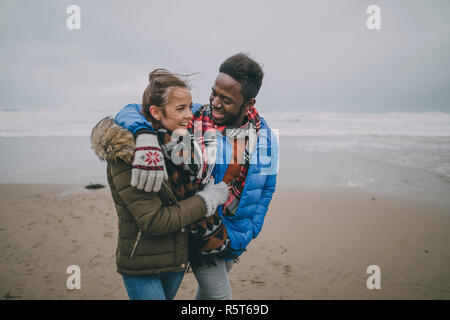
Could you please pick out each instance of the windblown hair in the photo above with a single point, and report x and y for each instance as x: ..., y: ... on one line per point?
x: 246, y: 71
x: 161, y: 84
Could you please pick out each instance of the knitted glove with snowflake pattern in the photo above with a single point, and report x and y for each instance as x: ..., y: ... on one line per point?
x: 148, y: 168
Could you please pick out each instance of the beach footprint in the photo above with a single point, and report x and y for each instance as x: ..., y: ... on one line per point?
x: 257, y: 282
x: 108, y: 235
x: 287, y: 269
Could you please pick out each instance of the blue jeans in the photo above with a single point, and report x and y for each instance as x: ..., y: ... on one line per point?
x: 162, y: 286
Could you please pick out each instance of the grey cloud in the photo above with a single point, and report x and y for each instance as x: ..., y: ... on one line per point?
x: 317, y: 55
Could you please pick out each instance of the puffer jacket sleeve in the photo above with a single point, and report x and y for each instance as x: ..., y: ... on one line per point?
x: 147, y: 209
x: 264, y: 201
x: 131, y: 118
x: 270, y: 170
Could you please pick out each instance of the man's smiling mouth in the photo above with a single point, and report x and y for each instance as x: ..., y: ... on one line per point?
x: 218, y: 114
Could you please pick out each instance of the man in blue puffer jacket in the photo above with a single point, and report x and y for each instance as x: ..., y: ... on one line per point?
x: 231, y: 110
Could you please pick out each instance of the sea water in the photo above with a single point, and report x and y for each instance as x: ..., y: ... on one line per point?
x: 395, y: 152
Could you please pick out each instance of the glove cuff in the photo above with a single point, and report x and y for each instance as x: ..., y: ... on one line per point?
x: 210, y: 208
x: 147, y: 139
x: 142, y: 131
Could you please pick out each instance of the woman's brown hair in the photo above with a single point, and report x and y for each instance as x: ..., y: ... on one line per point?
x: 161, y: 84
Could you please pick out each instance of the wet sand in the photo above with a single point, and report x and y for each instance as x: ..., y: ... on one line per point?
x: 316, y: 243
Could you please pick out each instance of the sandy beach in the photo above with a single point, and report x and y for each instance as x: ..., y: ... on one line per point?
x: 316, y: 244
x: 356, y: 98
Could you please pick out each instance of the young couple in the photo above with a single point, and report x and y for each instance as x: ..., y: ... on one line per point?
x: 199, y: 200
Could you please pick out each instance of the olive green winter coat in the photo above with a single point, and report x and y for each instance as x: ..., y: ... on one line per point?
x: 153, y: 235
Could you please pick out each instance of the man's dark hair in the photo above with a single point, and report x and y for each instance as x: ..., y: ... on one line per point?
x: 246, y: 71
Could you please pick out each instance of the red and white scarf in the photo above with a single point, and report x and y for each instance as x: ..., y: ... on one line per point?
x: 202, y: 121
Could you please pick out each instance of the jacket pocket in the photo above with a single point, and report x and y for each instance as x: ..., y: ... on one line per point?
x: 138, y: 238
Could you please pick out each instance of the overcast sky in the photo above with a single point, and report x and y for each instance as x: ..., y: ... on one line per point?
x: 317, y: 55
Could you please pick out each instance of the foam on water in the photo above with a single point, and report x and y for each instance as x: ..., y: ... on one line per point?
x: 407, y: 152
x: 435, y: 124
x: 79, y: 122
x: 49, y: 122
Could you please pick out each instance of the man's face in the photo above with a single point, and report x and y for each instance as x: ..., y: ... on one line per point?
x: 227, y: 101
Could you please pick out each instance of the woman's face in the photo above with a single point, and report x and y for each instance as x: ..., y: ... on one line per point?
x: 177, y: 112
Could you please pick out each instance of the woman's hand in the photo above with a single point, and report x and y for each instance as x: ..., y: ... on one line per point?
x: 149, y: 169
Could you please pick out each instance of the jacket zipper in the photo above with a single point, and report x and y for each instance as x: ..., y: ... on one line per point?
x: 169, y: 190
x: 136, y: 244
x: 139, y: 236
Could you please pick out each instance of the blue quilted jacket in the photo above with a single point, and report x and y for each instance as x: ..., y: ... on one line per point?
x: 259, y: 185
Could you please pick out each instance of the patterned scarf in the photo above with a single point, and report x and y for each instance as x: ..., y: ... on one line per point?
x: 202, y: 121
x: 187, y: 171
x: 208, y: 236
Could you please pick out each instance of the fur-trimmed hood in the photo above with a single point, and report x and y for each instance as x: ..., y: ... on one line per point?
x: 112, y: 142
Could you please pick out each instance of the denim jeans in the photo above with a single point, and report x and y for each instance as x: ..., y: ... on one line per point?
x: 213, y: 282
x: 162, y: 286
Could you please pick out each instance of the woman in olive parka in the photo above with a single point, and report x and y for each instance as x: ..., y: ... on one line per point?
x: 152, y: 247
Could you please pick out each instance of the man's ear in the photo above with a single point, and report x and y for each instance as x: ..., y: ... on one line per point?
x: 250, y: 103
x: 155, y: 112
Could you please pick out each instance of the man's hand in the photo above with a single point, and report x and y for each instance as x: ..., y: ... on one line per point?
x: 148, y: 168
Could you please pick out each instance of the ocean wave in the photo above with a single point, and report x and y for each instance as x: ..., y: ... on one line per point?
x: 49, y: 122
x: 79, y: 122
x: 426, y: 124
